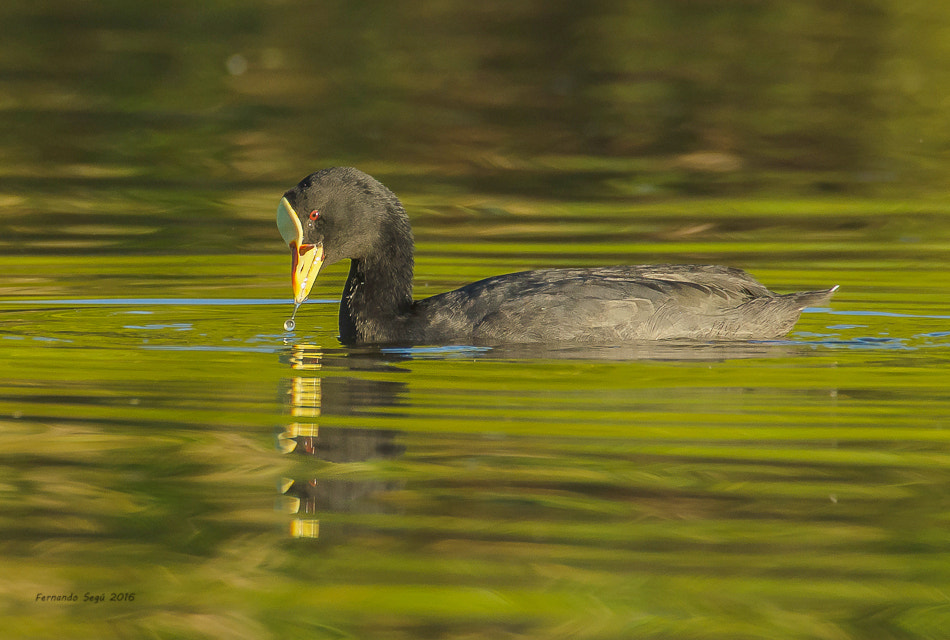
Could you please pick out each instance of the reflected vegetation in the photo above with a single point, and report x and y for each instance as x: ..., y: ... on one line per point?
x: 171, y: 128
x: 791, y: 490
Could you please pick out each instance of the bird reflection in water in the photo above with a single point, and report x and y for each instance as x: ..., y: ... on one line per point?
x: 313, y: 396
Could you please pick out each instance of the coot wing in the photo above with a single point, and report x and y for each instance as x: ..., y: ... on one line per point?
x: 607, y: 305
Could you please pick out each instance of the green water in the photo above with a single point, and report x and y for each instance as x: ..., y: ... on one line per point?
x: 167, y: 446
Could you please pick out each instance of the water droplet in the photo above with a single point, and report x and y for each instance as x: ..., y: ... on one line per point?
x: 290, y: 324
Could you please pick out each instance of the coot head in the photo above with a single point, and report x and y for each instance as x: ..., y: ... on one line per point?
x: 335, y: 214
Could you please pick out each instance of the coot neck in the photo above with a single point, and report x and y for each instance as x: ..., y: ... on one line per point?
x: 377, y: 297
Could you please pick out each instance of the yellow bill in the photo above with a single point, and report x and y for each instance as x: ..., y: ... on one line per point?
x: 306, y: 259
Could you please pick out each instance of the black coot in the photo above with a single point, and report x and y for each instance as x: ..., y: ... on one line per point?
x: 341, y: 212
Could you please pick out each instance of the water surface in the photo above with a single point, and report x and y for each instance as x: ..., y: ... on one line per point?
x: 167, y: 446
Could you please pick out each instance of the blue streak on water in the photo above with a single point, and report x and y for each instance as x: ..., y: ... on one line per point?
x: 282, y: 301
x: 448, y: 350
x: 205, y: 347
x: 880, y: 314
x: 164, y: 301
x: 178, y: 326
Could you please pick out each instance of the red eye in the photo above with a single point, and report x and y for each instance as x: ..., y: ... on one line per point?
x: 314, y: 214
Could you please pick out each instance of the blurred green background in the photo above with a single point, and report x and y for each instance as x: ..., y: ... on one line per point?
x: 172, y: 127
x: 760, y: 491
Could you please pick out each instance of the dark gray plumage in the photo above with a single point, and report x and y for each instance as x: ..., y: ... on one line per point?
x: 362, y: 220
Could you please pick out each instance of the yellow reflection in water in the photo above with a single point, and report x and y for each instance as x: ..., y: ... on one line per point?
x: 305, y: 402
